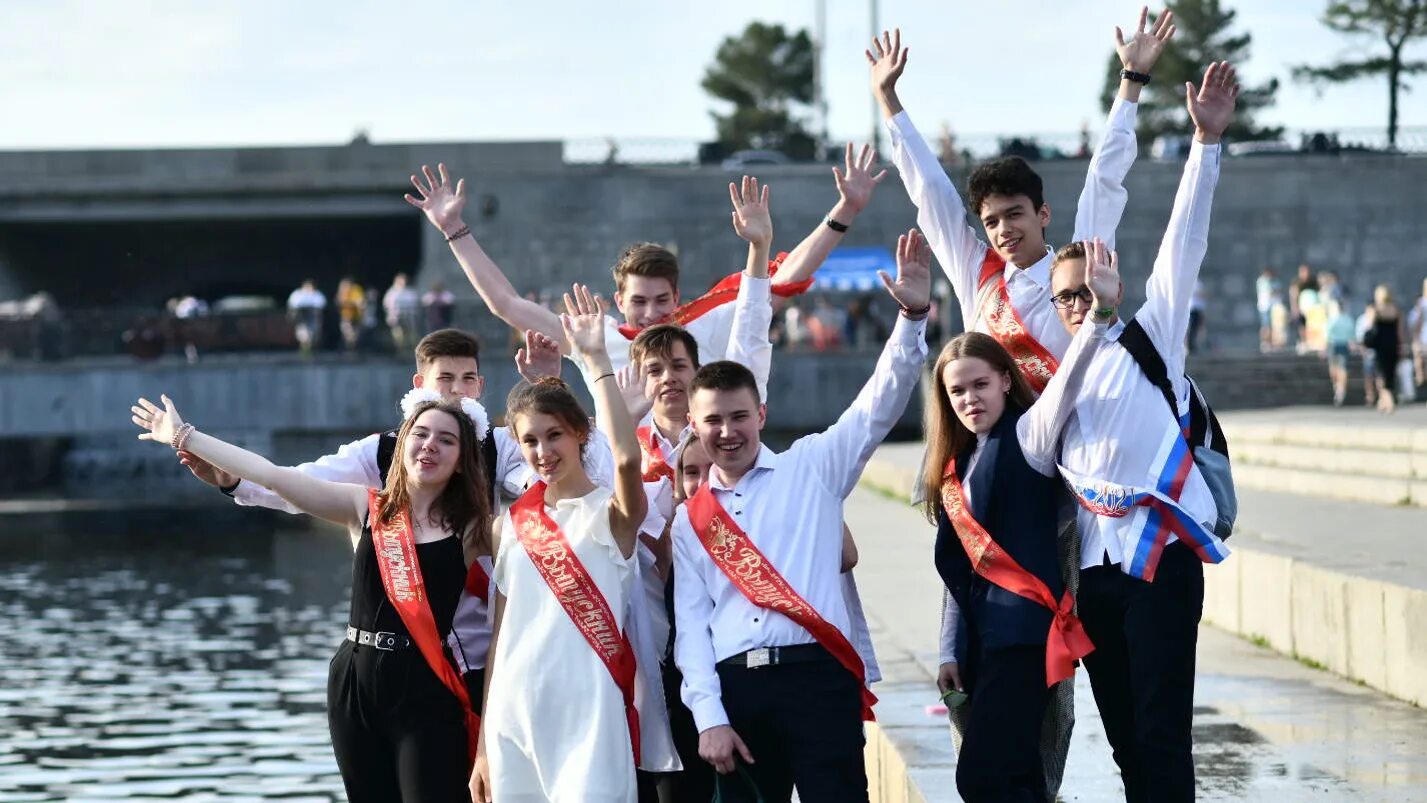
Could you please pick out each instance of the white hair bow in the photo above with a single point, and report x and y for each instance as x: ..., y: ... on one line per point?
x: 473, y: 409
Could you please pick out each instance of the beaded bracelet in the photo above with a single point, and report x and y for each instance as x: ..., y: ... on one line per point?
x: 180, y: 436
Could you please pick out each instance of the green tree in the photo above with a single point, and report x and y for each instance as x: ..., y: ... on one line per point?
x: 1204, y: 35
x: 766, y: 73
x: 1396, y: 22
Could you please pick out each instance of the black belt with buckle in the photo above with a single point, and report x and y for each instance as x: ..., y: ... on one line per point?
x: 382, y: 640
x: 772, y: 656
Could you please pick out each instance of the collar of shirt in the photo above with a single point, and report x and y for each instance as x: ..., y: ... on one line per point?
x: 1038, y: 273
x: 767, y: 460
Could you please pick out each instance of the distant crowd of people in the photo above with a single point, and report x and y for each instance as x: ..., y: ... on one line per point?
x: 406, y: 313
x: 1316, y: 311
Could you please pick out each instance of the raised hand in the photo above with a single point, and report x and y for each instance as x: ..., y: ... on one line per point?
x: 439, y: 199
x: 1211, y: 106
x: 159, y: 423
x: 633, y: 383
x: 750, y: 211
x: 1144, y: 49
x: 539, y: 357
x: 1102, y: 275
x: 584, y: 324
x: 206, y: 471
x: 913, y: 287
x: 857, y: 183
x: 888, y: 59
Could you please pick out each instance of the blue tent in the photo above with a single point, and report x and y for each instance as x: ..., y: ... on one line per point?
x: 854, y: 268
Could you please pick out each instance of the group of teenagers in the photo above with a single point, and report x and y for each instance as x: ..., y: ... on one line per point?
x: 651, y: 604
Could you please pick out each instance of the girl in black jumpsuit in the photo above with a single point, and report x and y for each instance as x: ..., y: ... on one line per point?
x: 399, y: 732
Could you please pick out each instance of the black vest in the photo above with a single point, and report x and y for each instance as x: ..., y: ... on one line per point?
x: 1018, y: 506
x: 386, y: 451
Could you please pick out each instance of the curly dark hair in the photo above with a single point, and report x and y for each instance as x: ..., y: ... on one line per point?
x: 1008, y: 176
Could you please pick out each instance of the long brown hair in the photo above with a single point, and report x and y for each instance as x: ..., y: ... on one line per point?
x: 946, y: 435
x: 464, y: 505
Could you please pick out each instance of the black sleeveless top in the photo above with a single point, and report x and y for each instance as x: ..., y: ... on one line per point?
x: 443, y: 569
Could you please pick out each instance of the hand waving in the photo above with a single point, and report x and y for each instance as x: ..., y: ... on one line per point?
x: 1102, y: 275
x: 856, y: 185
x: 160, y: 423
x: 441, y: 201
x: 913, y: 286
x: 1211, y: 106
x: 1141, y: 52
x: 750, y: 212
x: 633, y: 383
x: 888, y: 59
x: 583, y: 322
x: 539, y: 357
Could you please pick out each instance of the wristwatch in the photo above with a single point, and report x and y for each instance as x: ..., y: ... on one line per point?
x: 1137, y: 77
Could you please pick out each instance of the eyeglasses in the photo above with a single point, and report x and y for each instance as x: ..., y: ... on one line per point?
x: 1067, y: 298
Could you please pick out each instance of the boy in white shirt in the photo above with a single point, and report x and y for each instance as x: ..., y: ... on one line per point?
x: 1147, y: 514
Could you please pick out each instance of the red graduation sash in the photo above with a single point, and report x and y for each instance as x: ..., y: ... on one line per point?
x: 478, y: 583
x: 575, y: 590
x: 735, y: 554
x: 405, y: 589
x: 654, y: 464
x: 724, y: 292
x: 1067, y: 641
x: 1037, y: 364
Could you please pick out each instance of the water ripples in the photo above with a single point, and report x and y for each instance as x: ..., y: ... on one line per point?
x: 187, y: 666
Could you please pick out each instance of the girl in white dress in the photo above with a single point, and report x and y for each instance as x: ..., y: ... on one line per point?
x: 559, y: 683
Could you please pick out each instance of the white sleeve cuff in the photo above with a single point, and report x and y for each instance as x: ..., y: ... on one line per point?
x: 709, y: 713
x: 757, y: 288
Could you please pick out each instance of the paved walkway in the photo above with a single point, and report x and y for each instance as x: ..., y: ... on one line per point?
x: 1266, y: 727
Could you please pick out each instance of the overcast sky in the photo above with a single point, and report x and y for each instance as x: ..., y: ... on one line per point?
x: 135, y: 73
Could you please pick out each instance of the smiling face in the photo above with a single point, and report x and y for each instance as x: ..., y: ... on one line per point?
x: 728, y: 423
x: 432, y: 448
x: 694, y: 466
x: 669, y: 377
x: 645, y: 300
x: 452, y: 377
x: 1069, y: 293
x: 977, y: 392
x: 1015, y: 228
x: 550, y: 446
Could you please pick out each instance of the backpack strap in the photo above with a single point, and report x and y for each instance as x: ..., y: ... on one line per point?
x: 488, y: 461
x: 1137, y: 341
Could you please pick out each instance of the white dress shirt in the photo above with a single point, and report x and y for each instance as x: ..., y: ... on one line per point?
x: 941, y: 215
x: 791, y: 505
x: 1121, y: 432
x: 712, y: 331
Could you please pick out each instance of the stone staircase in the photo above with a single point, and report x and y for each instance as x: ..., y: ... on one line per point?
x: 1257, y: 381
x: 1349, y: 454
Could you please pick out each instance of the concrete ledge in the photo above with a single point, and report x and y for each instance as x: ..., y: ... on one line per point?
x: 1371, y: 462
x: 1350, y: 487
x: 1362, y: 629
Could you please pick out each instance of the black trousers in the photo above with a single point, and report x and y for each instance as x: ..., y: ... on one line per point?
x: 803, y: 724
x: 1000, y: 760
x: 398, y: 733
x: 696, y: 781
x: 1142, y: 669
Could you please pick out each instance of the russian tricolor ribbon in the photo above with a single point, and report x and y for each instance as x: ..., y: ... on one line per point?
x: 1165, y: 516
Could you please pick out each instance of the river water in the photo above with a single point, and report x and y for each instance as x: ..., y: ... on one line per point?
x: 184, y: 665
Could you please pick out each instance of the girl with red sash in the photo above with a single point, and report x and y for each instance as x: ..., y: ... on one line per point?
x: 400, y: 715
x: 560, y: 721
x: 994, y: 494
